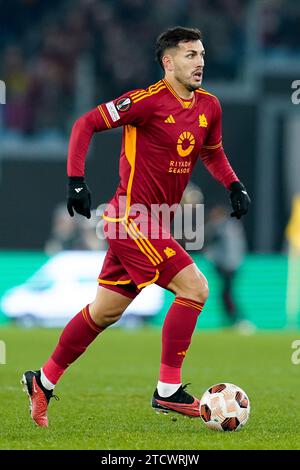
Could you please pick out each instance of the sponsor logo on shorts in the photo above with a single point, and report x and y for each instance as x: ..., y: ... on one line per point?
x: 169, y: 252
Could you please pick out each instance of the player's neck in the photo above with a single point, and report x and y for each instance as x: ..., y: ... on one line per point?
x: 180, y: 89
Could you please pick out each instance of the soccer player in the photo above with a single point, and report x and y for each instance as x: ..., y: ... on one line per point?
x: 166, y: 128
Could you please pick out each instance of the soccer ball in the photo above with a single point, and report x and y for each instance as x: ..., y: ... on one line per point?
x: 225, y: 407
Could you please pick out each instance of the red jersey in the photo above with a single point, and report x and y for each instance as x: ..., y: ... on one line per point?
x: 163, y: 136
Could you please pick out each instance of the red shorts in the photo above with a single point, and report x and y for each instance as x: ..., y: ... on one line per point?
x: 134, y: 261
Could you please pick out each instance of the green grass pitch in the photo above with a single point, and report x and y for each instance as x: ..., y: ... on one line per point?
x: 105, y: 396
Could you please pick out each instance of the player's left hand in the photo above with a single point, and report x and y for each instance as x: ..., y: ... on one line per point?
x: 239, y: 198
x: 78, y: 197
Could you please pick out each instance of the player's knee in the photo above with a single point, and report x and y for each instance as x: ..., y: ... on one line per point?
x: 109, y: 319
x: 105, y: 318
x: 195, y: 289
x: 204, y: 293
x: 199, y: 290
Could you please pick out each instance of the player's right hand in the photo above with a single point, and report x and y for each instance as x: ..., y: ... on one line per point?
x: 78, y: 197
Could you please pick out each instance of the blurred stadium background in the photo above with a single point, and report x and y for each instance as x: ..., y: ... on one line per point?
x: 60, y: 58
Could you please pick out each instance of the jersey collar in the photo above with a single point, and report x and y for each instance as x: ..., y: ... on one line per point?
x: 186, y: 104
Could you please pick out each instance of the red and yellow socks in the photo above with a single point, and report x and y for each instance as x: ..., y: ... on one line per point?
x: 177, y: 331
x: 75, y: 338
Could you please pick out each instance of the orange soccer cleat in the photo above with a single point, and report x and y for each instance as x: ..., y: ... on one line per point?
x: 38, y: 396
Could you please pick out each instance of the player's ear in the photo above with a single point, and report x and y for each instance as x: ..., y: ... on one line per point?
x: 168, y: 62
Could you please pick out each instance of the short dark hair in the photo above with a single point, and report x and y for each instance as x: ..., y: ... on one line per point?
x: 172, y: 37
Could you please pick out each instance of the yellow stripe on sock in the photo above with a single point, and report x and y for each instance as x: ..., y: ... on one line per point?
x: 188, y: 304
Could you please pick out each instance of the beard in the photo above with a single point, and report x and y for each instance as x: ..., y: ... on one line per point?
x: 191, y: 87
x: 187, y: 85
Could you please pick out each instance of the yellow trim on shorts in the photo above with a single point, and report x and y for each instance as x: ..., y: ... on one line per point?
x: 144, y: 284
x: 113, y: 283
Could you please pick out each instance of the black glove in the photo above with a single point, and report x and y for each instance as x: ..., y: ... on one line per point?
x: 78, y: 197
x: 239, y: 199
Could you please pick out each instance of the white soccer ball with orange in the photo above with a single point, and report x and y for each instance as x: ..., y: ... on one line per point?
x: 225, y: 407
